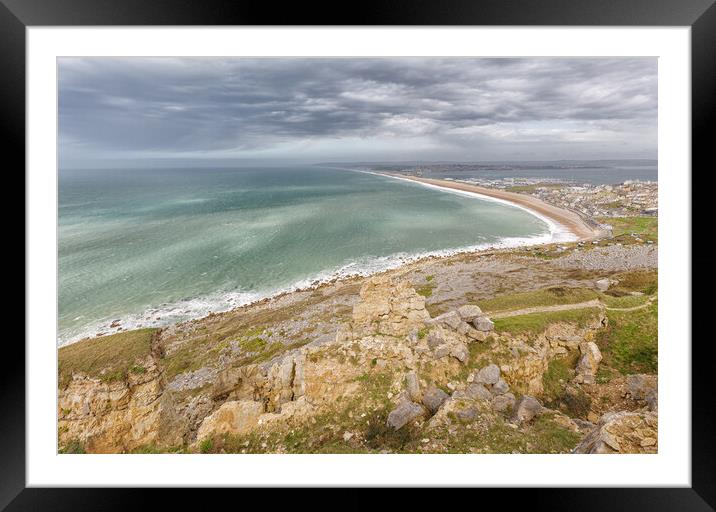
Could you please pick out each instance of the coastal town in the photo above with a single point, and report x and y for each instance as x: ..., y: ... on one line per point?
x: 628, y: 199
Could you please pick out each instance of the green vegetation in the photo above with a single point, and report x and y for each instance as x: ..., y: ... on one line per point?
x: 107, y: 357
x: 645, y: 227
x: 645, y: 281
x: 203, y: 351
x: 624, y: 301
x: 270, y: 351
x: 535, y: 323
x: 544, y: 297
x: 206, y: 445
x: 437, y: 308
x: 73, y: 446
x: 558, y: 393
x: 629, y: 344
x: 256, y: 344
x: 426, y: 290
x: 153, y: 448
x: 543, y: 436
x: 559, y: 371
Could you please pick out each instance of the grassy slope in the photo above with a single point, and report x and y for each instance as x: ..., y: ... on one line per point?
x: 630, y: 343
x: 108, y: 357
x: 535, y: 323
x: 545, y: 297
x: 646, y: 227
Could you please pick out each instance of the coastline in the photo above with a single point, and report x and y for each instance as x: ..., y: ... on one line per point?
x: 559, y: 217
x: 564, y: 227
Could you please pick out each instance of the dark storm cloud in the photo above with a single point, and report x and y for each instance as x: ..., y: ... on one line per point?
x: 238, y: 106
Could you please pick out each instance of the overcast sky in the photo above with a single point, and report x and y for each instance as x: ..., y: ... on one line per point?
x: 309, y: 110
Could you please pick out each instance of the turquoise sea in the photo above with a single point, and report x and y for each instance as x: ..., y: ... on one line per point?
x: 156, y: 246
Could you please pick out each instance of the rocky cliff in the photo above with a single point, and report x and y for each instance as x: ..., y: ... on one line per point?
x: 391, y: 378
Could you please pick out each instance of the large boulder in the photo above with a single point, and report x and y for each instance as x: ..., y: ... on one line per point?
x: 404, y: 413
x: 526, y: 409
x: 588, y: 363
x: 235, y: 417
x: 433, y: 398
x: 622, y: 432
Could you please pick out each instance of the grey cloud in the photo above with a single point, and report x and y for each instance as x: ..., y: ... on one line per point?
x: 200, y: 106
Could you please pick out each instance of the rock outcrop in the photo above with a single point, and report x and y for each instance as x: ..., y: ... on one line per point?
x: 233, y: 417
x: 588, y: 363
x: 643, y: 388
x: 389, y: 307
x: 622, y: 432
x: 452, y: 371
x: 120, y: 415
x: 404, y: 413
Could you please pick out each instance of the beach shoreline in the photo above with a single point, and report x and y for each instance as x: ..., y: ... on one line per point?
x: 564, y: 219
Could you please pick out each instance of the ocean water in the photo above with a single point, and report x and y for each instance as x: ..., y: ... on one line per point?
x: 151, y: 247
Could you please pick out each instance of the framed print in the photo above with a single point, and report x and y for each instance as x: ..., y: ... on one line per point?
x: 420, y: 246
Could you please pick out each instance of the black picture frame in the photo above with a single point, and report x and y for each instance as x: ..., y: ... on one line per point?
x: 700, y: 15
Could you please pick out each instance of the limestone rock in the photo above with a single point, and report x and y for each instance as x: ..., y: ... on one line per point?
x: 118, y: 416
x: 500, y: 387
x: 473, y: 392
x: 525, y: 409
x: 475, y: 334
x: 482, y: 323
x: 297, y: 409
x: 435, y: 339
x: 622, y: 432
x: 405, y: 412
x: 469, y: 312
x: 234, y: 417
x: 503, y: 403
x: 433, y: 398
x: 450, y: 319
x: 467, y: 414
x: 588, y: 363
x: 460, y: 352
x: 390, y: 307
x: 412, y: 386
x: 640, y: 387
x: 488, y: 375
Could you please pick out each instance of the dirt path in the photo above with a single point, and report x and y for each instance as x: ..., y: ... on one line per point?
x: 565, y: 218
x: 594, y: 303
x: 634, y: 308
